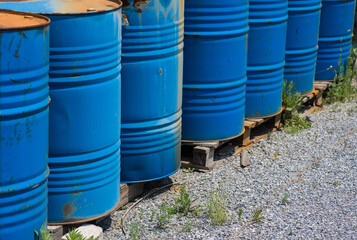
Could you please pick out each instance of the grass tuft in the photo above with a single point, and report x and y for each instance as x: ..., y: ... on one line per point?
x: 135, y: 231
x: 217, y: 211
x: 257, y: 218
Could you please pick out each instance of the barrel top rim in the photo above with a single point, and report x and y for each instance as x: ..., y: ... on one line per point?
x: 118, y: 3
x: 27, y: 26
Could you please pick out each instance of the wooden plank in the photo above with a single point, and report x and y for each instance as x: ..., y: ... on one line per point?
x: 203, y: 156
x: 249, y: 124
x: 187, y: 164
x: 210, y: 144
x: 258, y: 121
x: 56, y: 232
x: 128, y: 192
x: 321, y: 87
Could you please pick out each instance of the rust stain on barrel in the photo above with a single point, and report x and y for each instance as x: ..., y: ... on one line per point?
x: 68, y: 209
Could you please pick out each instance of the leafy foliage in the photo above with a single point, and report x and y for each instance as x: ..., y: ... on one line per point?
x: 292, y: 102
x: 74, y: 234
x: 342, y: 89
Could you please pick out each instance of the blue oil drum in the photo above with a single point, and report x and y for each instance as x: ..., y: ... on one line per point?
x: 301, y: 43
x: 215, y: 61
x: 84, y: 141
x: 152, y: 62
x: 335, y: 38
x: 266, y: 56
x: 24, y: 99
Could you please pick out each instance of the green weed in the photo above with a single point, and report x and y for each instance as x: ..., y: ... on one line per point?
x: 351, y: 111
x: 152, y: 216
x: 292, y: 102
x: 342, y: 89
x: 44, y: 234
x: 182, y: 203
x: 240, y: 212
x: 284, y: 199
x: 188, y: 226
x: 74, y: 234
x: 336, y: 183
x: 165, y: 215
x: 188, y: 170
x: 217, y: 207
x: 134, y: 231
x: 257, y: 215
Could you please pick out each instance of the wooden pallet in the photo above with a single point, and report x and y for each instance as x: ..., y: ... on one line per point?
x: 200, y: 155
x: 314, y: 98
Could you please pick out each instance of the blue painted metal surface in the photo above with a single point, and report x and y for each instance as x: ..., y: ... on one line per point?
x: 266, y: 56
x: 24, y: 65
x: 151, y: 89
x: 85, y: 40
x: 214, y: 69
x: 301, y: 43
x: 335, y: 38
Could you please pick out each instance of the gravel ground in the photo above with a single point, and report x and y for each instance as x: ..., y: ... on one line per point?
x: 316, y: 170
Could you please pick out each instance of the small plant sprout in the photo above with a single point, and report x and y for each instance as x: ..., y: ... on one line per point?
x: 44, y: 234
x: 165, y: 215
x: 187, y: 227
x: 256, y: 218
x: 183, y: 202
x: 188, y: 170
x: 336, y: 183
x: 217, y: 207
x: 74, y: 234
x: 351, y: 111
x: 240, y: 212
x: 135, y: 231
x: 275, y: 156
x: 153, y: 213
x: 284, y: 199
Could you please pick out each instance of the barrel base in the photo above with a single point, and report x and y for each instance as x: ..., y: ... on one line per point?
x: 83, y: 187
x: 150, y: 167
x: 269, y: 115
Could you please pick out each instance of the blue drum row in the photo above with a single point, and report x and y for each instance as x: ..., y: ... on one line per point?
x: 71, y: 130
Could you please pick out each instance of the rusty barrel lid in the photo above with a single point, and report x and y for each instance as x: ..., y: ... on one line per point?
x: 13, y: 20
x: 62, y: 7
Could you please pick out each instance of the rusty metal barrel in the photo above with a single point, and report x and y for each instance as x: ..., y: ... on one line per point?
x: 266, y: 56
x: 24, y: 65
x: 215, y: 60
x: 151, y: 89
x: 84, y: 157
x: 301, y: 43
x: 335, y: 38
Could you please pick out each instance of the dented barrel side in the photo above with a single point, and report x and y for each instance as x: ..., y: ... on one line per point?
x: 266, y: 56
x: 85, y: 116
x: 335, y: 38
x: 301, y: 43
x: 151, y: 89
x: 215, y: 60
x: 24, y: 99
